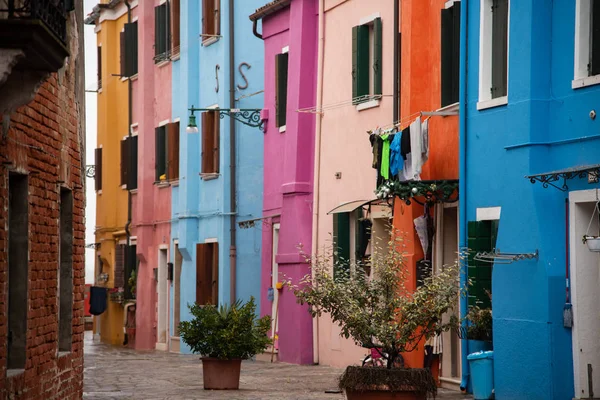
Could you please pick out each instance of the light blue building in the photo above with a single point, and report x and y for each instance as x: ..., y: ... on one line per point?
x: 529, y: 99
x: 220, y: 66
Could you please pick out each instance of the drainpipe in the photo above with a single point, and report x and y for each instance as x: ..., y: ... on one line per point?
x: 232, y: 188
x: 317, y: 165
x: 396, y: 96
x: 129, y: 207
x: 462, y: 185
x: 255, y: 29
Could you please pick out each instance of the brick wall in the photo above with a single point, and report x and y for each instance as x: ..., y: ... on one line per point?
x: 46, y: 141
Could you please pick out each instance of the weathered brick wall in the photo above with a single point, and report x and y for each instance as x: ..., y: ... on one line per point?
x: 46, y: 140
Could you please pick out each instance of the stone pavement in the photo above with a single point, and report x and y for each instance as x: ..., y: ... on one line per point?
x: 118, y: 373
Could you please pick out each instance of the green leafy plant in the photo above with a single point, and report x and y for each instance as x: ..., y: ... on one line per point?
x: 479, y: 323
x: 226, y: 332
x: 132, y: 282
x: 380, y: 311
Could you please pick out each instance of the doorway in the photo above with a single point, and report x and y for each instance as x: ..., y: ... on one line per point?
x: 274, y: 280
x: 585, y: 287
x: 162, y: 309
x: 175, y: 341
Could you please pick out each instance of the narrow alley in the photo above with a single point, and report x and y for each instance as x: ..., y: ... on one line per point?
x: 117, y: 373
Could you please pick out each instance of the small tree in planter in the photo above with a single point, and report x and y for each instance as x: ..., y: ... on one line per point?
x: 380, y: 312
x: 224, y: 336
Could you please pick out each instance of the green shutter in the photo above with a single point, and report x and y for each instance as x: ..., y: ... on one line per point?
x: 481, y: 237
x: 281, y: 77
x: 131, y: 48
x: 132, y: 175
x: 360, y: 61
x: 341, y: 243
x: 499, y: 48
x: 446, y: 67
x: 160, y: 159
x: 377, y: 56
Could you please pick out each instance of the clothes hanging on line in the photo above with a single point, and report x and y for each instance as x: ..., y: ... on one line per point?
x: 405, y: 143
x: 396, y: 160
x: 97, y: 300
x: 416, y: 147
x: 385, y: 157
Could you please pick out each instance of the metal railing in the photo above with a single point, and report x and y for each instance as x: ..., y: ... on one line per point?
x: 53, y: 13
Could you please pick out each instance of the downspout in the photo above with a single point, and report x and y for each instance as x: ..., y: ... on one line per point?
x: 129, y: 206
x: 462, y: 186
x: 255, y: 29
x: 317, y: 164
x: 232, y: 144
x: 396, y: 95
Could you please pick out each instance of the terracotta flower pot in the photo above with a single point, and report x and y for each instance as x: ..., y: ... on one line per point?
x: 385, y: 395
x: 221, y: 374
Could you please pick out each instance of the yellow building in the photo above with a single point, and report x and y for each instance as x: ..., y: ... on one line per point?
x: 117, y: 60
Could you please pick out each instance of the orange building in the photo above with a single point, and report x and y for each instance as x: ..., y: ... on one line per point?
x: 429, y: 85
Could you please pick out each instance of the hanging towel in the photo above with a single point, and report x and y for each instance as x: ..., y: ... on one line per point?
x: 396, y: 161
x: 377, y: 145
x: 385, y: 157
x: 405, y: 143
x: 425, y: 137
x: 97, y: 300
x: 416, y: 146
x: 422, y: 232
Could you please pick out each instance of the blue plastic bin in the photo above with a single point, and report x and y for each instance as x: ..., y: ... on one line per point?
x: 481, y: 365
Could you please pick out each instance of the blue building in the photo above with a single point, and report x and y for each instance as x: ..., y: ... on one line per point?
x: 220, y: 69
x: 530, y: 149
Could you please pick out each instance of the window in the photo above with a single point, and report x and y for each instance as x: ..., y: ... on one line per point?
x: 98, y: 169
x: 18, y: 256
x: 341, y: 244
x: 177, y: 291
x: 481, y: 236
x: 65, y: 282
x: 211, y: 20
x: 493, y: 50
x: 207, y: 273
x: 175, y: 27
x: 366, y: 60
x: 281, y: 75
x: 124, y: 160
x: 450, y: 54
x: 210, y: 142
x: 119, y: 272
x: 131, y: 264
x: 167, y: 152
x: 99, y: 67
x: 132, y: 170
x: 129, y: 56
x: 587, y: 41
x: 162, y: 42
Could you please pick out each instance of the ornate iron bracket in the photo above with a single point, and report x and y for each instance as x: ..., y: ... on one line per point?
x: 90, y: 171
x: 247, y: 116
x: 592, y: 172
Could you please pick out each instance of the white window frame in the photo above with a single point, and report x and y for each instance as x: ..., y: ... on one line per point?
x: 374, y: 102
x: 485, y: 57
x: 581, y: 77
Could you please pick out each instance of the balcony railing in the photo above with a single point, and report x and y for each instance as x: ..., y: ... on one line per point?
x: 52, y: 13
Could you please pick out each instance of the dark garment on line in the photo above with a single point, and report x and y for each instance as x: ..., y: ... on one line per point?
x: 405, y: 143
x: 374, y: 144
x: 97, y: 300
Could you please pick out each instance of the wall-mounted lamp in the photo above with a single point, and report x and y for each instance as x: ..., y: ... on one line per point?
x: 192, y: 127
x: 247, y: 116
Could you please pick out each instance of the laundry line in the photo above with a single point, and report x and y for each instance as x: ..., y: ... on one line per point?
x: 351, y: 102
x: 406, y: 120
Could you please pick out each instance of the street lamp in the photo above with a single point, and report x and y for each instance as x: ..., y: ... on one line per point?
x: 247, y: 116
x: 192, y: 127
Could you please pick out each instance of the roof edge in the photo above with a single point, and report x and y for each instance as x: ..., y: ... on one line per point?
x: 269, y: 8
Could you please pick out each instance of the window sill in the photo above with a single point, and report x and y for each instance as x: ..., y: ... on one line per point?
x: 175, y: 57
x: 162, y: 63
x: 133, y: 77
x: 124, y: 186
x: 282, y: 129
x: 584, y: 82
x: 123, y: 78
x: 209, y: 176
x: 174, y: 182
x: 133, y: 191
x: 497, y: 102
x: 14, y: 372
x: 162, y: 184
x: 450, y: 107
x: 63, y: 353
x: 367, y: 105
x: 99, y: 192
x: 210, y: 40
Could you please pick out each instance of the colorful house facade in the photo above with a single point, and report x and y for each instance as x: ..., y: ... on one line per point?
x: 529, y: 169
x: 112, y: 160
x: 219, y: 71
x: 289, y: 32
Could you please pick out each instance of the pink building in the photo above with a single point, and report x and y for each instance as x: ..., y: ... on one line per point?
x: 151, y: 225
x: 289, y: 30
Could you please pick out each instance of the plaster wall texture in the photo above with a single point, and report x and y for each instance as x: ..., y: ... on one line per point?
x: 345, y: 146
x: 528, y: 296
x: 288, y: 173
x: 201, y: 208
x: 152, y: 212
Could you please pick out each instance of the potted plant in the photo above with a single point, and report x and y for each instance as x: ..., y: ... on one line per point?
x: 478, y: 329
x: 224, y: 336
x: 379, y: 312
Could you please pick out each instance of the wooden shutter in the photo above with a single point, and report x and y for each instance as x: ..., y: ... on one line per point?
x: 215, y: 273
x: 281, y: 78
x: 119, y: 278
x: 175, y: 26
x: 124, y: 160
x: 160, y: 159
x: 499, y: 48
x: 208, y: 17
x: 595, y: 38
x: 360, y: 61
x: 160, y: 31
x: 157, y: 36
x: 377, y: 56
x: 455, y: 52
x: 341, y: 242
x: 123, y: 57
x: 216, y: 144
x: 173, y: 150
x: 99, y: 71
x: 207, y: 272
x: 132, y: 172
x: 446, y: 59
x: 217, y: 11
x: 481, y: 237
x: 98, y: 168
x: 131, y: 49
x: 208, y: 124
